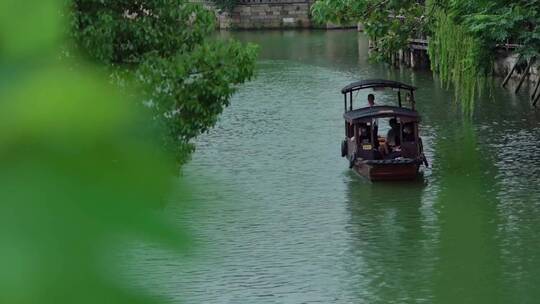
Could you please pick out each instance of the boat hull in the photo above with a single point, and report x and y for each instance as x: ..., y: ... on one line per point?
x: 388, y: 172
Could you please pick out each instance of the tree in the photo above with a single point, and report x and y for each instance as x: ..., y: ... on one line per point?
x: 465, y: 37
x: 165, y: 47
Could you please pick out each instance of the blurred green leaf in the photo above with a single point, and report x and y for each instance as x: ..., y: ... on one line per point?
x: 29, y: 25
x: 82, y: 172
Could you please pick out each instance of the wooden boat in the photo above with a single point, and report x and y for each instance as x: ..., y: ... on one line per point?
x: 378, y: 158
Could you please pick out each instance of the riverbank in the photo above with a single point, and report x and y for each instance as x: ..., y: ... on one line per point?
x: 516, y: 71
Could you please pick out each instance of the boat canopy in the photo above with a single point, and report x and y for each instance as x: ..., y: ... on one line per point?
x: 367, y: 114
x: 376, y: 83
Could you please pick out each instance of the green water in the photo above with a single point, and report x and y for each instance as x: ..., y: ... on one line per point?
x: 277, y: 217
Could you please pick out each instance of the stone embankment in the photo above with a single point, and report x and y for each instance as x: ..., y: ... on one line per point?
x: 507, y: 64
x: 515, y: 70
x: 268, y: 14
x: 507, y: 59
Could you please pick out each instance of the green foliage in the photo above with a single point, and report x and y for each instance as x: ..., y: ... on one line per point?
x: 508, y: 21
x: 463, y: 33
x: 125, y: 32
x: 163, y: 47
x: 191, y: 89
x: 466, y: 33
x: 227, y: 5
x: 339, y: 12
x: 20, y: 30
x: 459, y: 58
x: 80, y: 174
x: 390, y: 24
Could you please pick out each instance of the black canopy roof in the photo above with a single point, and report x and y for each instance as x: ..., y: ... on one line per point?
x: 380, y: 112
x: 376, y: 83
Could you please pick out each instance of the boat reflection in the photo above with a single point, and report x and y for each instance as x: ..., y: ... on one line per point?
x: 391, y: 225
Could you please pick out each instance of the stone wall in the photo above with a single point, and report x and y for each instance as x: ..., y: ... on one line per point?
x: 416, y: 57
x: 504, y: 62
x: 268, y: 14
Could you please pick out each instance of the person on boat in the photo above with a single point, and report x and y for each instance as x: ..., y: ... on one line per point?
x: 371, y: 100
x: 408, y: 98
x: 392, y: 137
x: 393, y: 140
x: 365, y: 137
x: 375, y: 123
x: 408, y: 133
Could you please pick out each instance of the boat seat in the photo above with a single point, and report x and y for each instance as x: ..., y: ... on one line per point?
x: 409, y: 150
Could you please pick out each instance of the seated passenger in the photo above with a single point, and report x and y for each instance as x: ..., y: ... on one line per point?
x: 350, y: 131
x: 365, y: 136
x: 368, y: 150
x: 408, y: 133
x: 375, y: 131
x: 392, y: 137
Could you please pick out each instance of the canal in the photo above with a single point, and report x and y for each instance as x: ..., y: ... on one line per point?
x: 277, y: 217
